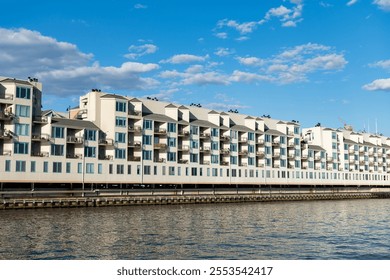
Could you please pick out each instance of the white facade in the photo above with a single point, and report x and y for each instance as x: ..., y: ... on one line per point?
x: 113, y: 139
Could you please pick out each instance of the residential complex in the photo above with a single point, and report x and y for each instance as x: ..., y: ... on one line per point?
x: 111, y: 140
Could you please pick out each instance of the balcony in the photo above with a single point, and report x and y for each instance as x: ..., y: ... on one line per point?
x: 243, y: 153
x: 276, y: 155
x: 183, y: 133
x: 74, y: 140
x: 41, y: 119
x: 106, y: 142
x: 184, y: 148
x: 224, y: 163
x: 243, y: 140
x: 205, y: 163
x: 135, y: 113
x: 204, y: 136
x: 134, y: 144
x: 40, y: 154
x: 160, y: 160
x: 135, y: 129
x: 6, y: 97
x: 329, y: 159
x: 5, y: 134
x: 260, y: 165
x: 134, y: 158
x: 79, y: 156
x: 260, y: 141
x: 183, y: 161
x: 260, y: 154
x: 205, y: 150
x: 106, y: 157
x: 160, y: 146
x: 6, y: 153
x: 6, y: 116
x: 317, y: 158
x: 40, y: 137
x: 225, y: 151
x: 225, y: 138
x: 275, y: 143
x: 291, y: 156
x: 160, y: 131
x: 243, y: 164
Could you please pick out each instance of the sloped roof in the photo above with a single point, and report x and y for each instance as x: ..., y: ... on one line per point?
x: 78, y: 124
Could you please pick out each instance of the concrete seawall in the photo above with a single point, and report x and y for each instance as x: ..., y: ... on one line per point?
x: 171, y: 197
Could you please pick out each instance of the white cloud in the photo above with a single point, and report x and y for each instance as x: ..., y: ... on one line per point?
x: 240, y: 76
x: 382, y: 64
x: 383, y: 4
x: 221, y: 35
x: 250, y: 61
x: 140, y: 6
x: 351, y: 2
x: 138, y: 51
x: 184, y: 58
x: 242, y: 38
x: 242, y: 28
x: 379, y: 84
x: 223, y: 52
x: 62, y: 67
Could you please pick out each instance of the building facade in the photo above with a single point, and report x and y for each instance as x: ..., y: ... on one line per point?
x: 117, y: 140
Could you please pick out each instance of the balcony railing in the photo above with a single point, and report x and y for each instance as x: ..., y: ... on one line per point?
x: 7, y: 96
x: 183, y: 161
x: 6, y: 116
x: 135, y: 129
x: 106, y: 142
x: 134, y: 158
x: 183, y: 133
x: 224, y: 163
x: 161, y: 131
x: 243, y: 140
x: 204, y: 135
x: 40, y: 137
x: 184, y: 148
x: 74, y: 139
x: 205, y: 149
x: 243, y: 153
x: 106, y: 157
x: 135, y: 113
x: 225, y: 138
x: 135, y: 144
x: 225, y: 151
x: 160, y: 146
x: 160, y: 160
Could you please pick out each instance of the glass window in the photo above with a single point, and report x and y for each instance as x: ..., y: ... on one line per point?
x: 171, y: 142
x: 233, y: 159
x: 214, y: 145
x: 214, y: 132
x: 22, y: 92
x: 214, y: 158
x: 120, y: 153
x: 57, y: 150
x: 68, y: 167
x: 147, y: 155
x: 120, y: 106
x: 267, y: 138
x: 147, y: 139
x: 251, y: 136
x: 147, y: 169
x: 100, y: 168
x: 57, y: 132
x: 33, y: 166
x: 46, y: 167
x: 171, y: 156
x: 171, y: 127
x: 194, y: 130
x: 20, y: 166
x: 90, y: 135
x: 148, y: 124
x: 22, y: 111
x: 89, y: 168
x: 57, y: 167
x: 233, y: 147
x: 120, y: 137
x: 7, y: 165
x: 194, y: 144
x: 90, y: 151
x: 21, y: 148
x: 22, y: 129
x: 120, y: 169
x: 171, y: 170
x: 120, y: 121
x: 193, y: 158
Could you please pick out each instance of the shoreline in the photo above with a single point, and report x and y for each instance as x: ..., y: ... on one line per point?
x: 175, y: 197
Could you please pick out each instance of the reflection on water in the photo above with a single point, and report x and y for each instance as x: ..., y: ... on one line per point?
x: 353, y: 229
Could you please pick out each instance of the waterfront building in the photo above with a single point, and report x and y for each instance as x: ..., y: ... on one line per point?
x: 115, y: 140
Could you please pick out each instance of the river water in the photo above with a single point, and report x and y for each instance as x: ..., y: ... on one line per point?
x: 348, y: 229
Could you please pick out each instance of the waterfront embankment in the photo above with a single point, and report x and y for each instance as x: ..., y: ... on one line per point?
x: 121, y: 197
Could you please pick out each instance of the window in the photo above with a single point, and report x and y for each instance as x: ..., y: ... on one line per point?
x: 89, y: 168
x: 110, y: 168
x: 57, y: 132
x: 233, y: 159
x: 148, y: 124
x: 251, y: 136
x: 147, y: 139
x: 57, y: 150
x: 251, y: 161
x: 194, y: 171
x: 120, y: 137
x: 296, y: 130
x: 268, y: 150
x: 22, y: 92
x: 214, y: 145
x: 129, y: 169
x: 233, y: 147
x: 251, y: 148
x: 214, y: 158
x: 194, y: 130
x: 22, y: 129
x: 46, y: 167
x: 7, y: 165
x: 79, y: 167
x: 100, y: 168
x: 22, y: 111
x: 33, y: 166
x: 193, y: 158
x: 120, y: 121
x: 90, y: 135
x: 120, y: 106
x: 282, y: 139
x: 194, y: 144
x: 296, y: 141
x: 90, y: 151
x: 68, y: 167
x: 171, y: 142
x: 267, y: 138
x: 57, y: 167
x: 147, y: 169
x: 214, y: 132
x: 233, y: 134
x: 20, y: 166
x: 171, y: 170
x: 147, y: 155
x: 120, y: 153
x: 120, y: 169
x: 171, y: 127
x: 171, y: 156
x: 21, y: 148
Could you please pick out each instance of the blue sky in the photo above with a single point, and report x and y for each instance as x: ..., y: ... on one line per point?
x: 313, y: 61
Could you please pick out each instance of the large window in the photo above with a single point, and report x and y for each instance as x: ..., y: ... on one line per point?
x: 24, y: 93
x: 22, y: 129
x: 214, y: 132
x: 120, y: 137
x: 171, y: 156
x: 147, y: 155
x: 194, y: 130
x: 120, y: 153
x: 214, y: 145
x: 20, y: 166
x: 57, y: 167
x: 148, y: 124
x: 57, y: 150
x: 119, y: 121
x: 57, y: 132
x: 90, y: 151
x: 90, y: 135
x: 89, y: 168
x: 7, y: 165
x: 171, y: 127
x: 147, y: 139
x: 120, y: 106
x: 171, y: 142
x: 21, y: 148
x: 193, y: 157
x: 22, y: 111
x: 214, y: 158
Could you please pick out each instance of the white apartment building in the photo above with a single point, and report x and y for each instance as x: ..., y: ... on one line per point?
x: 111, y: 140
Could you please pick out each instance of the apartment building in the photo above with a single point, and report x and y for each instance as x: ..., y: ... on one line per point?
x: 111, y: 140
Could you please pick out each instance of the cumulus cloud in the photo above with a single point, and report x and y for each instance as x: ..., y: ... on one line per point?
x: 64, y: 69
x: 141, y: 50
x: 385, y: 64
x: 378, y: 85
x: 184, y: 58
x: 250, y: 61
x: 223, y: 52
x: 242, y: 28
x: 383, y: 4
